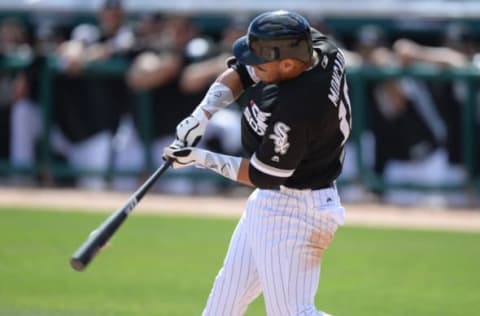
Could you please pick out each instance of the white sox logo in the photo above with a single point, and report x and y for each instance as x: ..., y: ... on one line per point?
x: 280, y: 138
x: 256, y: 118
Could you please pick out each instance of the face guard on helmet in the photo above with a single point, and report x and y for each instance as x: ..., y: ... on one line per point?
x: 273, y: 36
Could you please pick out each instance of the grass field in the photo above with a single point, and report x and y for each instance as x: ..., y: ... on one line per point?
x: 159, y: 265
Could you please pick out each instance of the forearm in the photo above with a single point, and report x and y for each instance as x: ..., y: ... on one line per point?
x: 223, y: 92
x: 150, y: 70
x: 443, y: 57
x: 233, y: 168
x: 243, y: 176
x: 199, y: 76
x: 231, y: 79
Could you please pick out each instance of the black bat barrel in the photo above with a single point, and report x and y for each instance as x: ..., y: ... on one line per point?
x: 100, y: 236
x: 97, y: 239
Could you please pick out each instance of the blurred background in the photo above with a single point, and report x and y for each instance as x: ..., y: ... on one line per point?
x: 91, y: 92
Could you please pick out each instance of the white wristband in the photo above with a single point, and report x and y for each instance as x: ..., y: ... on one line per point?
x: 218, y: 97
x: 225, y: 165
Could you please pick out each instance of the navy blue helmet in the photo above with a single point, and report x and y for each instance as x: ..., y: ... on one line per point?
x: 273, y: 36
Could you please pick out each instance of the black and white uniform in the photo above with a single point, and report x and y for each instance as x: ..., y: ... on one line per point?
x: 294, y: 131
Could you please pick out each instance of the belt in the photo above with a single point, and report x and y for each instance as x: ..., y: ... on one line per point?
x: 330, y: 185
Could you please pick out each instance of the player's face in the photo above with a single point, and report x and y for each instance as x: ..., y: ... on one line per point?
x: 279, y: 70
x: 268, y: 72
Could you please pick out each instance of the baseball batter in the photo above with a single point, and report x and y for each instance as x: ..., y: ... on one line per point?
x: 293, y: 130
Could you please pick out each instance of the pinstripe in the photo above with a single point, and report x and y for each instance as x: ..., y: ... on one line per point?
x: 250, y: 294
x: 220, y: 297
x: 252, y: 234
x: 311, y: 250
x: 274, y: 248
x: 230, y: 283
x: 242, y: 263
x: 230, y: 262
x: 316, y: 221
x: 254, y: 289
x: 221, y: 277
x: 301, y: 288
x: 216, y: 301
x: 284, y: 273
x: 293, y: 265
x: 276, y: 244
x: 266, y: 268
x: 252, y: 283
x: 282, y: 241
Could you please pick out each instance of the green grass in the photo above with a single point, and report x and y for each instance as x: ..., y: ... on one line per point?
x: 158, y: 265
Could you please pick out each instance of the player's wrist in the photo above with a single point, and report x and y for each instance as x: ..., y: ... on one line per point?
x: 201, y: 115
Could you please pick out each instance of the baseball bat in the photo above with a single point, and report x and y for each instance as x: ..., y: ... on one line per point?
x: 100, y: 236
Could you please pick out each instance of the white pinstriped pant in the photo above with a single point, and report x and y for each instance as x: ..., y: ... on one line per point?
x: 276, y: 249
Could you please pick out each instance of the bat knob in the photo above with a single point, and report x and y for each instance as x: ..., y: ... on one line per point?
x: 77, y: 265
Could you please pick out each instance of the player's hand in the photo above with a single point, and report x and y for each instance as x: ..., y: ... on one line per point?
x: 192, y: 128
x: 176, y: 144
x: 185, y: 156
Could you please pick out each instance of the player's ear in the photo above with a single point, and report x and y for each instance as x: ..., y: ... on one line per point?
x: 290, y: 67
x: 287, y: 65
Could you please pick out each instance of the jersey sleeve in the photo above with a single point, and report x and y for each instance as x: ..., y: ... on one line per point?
x: 246, y: 73
x: 281, y: 150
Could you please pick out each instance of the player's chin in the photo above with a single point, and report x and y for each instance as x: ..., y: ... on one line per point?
x: 268, y: 81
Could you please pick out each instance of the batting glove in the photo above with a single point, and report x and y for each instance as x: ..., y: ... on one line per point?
x: 192, y: 128
x: 185, y: 156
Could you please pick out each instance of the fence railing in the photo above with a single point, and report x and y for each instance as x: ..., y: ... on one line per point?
x: 358, y: 79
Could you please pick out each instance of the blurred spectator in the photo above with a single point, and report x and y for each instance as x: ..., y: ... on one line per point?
x: 415, y: 125
x: 405, y: 121
x: 26, y: 123
x: 88, y: 108
x: 15, y: 93
x: 158, y: 69
x: 458, y: 51
x: 148, y: 32
x: 318, y: 22
x: 208, y: 60
x: 129, y: 142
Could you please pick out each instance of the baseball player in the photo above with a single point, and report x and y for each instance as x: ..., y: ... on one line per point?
x: 294, y: 129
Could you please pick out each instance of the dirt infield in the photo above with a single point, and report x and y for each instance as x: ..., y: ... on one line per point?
x: 358, y: 215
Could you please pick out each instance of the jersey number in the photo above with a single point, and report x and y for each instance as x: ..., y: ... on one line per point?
x: 345, y: 124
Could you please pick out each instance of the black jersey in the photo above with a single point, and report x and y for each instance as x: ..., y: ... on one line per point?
x: 295, y: 130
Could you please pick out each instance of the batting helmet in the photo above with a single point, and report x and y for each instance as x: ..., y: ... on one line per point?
x: 273, y: 36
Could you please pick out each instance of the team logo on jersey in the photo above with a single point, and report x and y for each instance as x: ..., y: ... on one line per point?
x: 280, y: 137
x: 256, y: 118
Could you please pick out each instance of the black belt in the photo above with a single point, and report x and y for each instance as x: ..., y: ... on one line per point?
x: 330, y: 185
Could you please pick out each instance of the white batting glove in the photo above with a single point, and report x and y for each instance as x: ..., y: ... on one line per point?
x: 185, y: 156
x: 192, y: 128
